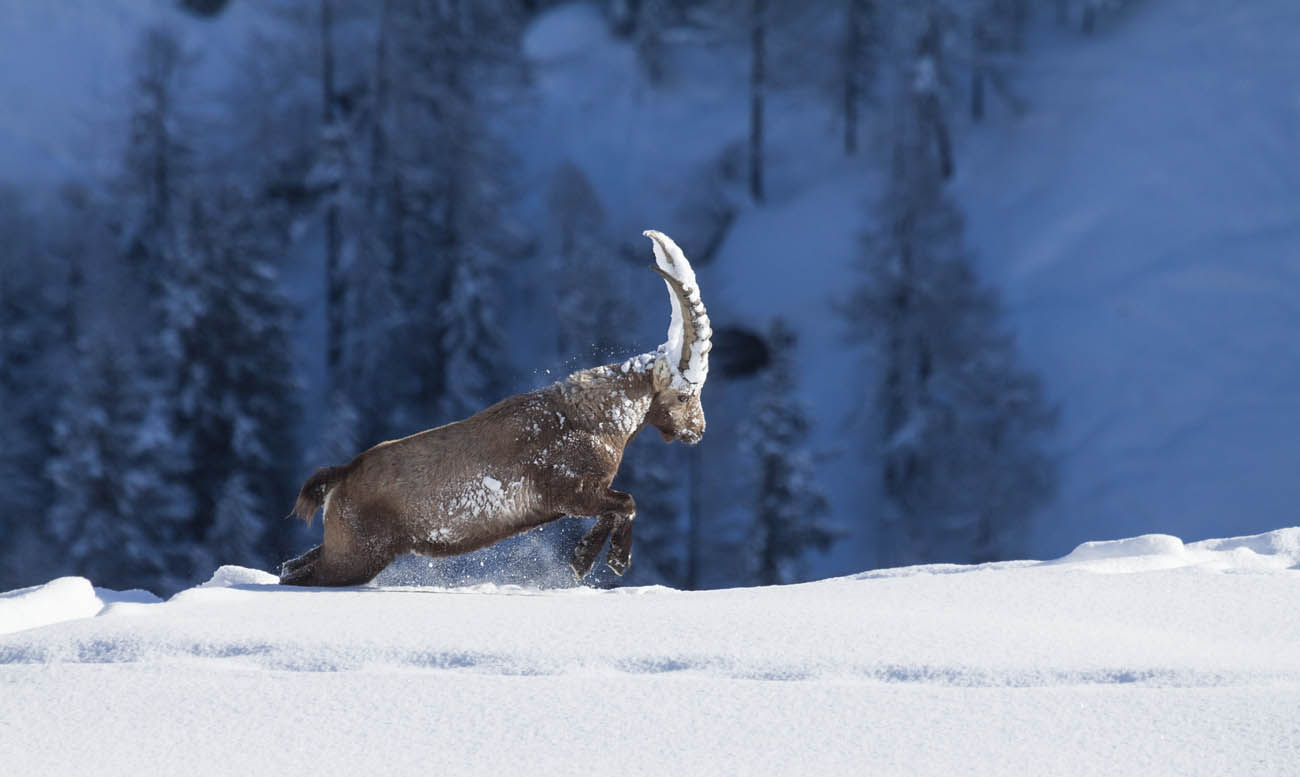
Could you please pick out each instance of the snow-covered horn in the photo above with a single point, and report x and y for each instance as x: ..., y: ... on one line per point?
x: 689, y: 333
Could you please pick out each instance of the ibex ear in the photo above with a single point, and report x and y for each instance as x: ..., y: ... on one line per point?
x: 663, y: 374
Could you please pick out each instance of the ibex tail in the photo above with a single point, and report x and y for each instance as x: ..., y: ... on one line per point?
x: 312, y: 495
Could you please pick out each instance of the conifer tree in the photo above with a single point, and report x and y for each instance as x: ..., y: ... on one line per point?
x: 159, y: 159
x: 33, y: 354
x: 123, y: 510
x: 860, y: 55
x: 996, y: 30
x: 581, y: 264
x: 653, y: 474
x: 790, y: 511
x: 240, y: 526
x: 425, y: 249
x: 965, y: 427
x: 235, y: 386
x: 120, y: 510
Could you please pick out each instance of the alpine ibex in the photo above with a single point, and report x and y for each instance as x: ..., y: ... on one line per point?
x: 525, y: 461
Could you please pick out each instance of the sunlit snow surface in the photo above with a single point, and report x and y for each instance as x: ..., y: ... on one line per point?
x: 1140, y: 656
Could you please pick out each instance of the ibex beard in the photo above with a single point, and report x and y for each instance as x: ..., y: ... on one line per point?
x: 523, y: 462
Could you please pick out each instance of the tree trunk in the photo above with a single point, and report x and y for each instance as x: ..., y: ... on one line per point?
x: 758, y: 12
x: 853, y: 75
x: 694, y: 508
x: 929, y: 112
x: 1019, y: 18
x: 333, y: 273
x: 769, y: 568
x: 979, y: 44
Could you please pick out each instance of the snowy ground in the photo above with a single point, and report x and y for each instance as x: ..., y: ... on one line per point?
x: 1141, y: 656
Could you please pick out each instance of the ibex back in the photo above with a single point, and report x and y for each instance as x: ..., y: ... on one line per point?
x: 527, y: 460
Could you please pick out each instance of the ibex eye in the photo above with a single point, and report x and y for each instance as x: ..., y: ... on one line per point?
x: 683, y: 398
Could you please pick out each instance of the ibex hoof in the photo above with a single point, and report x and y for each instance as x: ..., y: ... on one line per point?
x: 618, y: 566
x: 579, y: 568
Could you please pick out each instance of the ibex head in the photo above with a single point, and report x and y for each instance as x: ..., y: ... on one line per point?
x: 682, y: 363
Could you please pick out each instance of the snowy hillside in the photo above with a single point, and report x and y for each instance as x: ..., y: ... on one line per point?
x: 1141, y: 656
x: 1143, y: 220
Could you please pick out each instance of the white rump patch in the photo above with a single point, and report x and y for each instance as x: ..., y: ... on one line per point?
x: 325, y: 506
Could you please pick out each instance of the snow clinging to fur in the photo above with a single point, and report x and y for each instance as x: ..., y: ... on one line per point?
x: 673, y: 262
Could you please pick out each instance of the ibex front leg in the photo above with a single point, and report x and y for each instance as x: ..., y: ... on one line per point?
x: 614, y: 511
x: 619, y: 557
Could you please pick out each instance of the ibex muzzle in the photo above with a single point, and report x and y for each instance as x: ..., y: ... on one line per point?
x: 525, y: 461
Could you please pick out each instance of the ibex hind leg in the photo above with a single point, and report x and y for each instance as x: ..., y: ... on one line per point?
x: 297, y: 576
x: 340, y: 561
x: 334, y: 570
x: 299, y: 562
x: 301, y: 570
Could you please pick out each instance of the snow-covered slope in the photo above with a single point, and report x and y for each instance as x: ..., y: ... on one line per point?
x: 1138, y: 656
x: 1143, y: 219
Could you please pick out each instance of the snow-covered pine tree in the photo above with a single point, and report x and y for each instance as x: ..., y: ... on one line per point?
x: 454, y: 192
x: 419, y: 189
x: 927, y: 77
x: 150, y: 195
x: 159, y: 160
x: 587, y: 320
x: 125, y: 376
x: 653, y: 474
x: 758, y: 86
x: 644, y: 22
x: 241, y: 526
x: 385, y: 164
x: 965, y: 427
x: 790, y: 510
x: 328, y: 177
x: 940, y: 47
x: 996, y: 30
x: 236, y: 388
x: 120, y: 506
x: 33, y: 353
x: 473, y: 340
x: 859, y: 61
x: 295, y: 145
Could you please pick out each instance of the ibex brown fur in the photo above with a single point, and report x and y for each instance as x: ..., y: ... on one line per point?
x: 527, y: 460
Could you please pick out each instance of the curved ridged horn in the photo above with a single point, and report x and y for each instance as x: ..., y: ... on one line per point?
x: 696, y: 332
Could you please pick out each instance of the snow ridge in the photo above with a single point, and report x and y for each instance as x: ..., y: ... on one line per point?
x: 1177, y: 654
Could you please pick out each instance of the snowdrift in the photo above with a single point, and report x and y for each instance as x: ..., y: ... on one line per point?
x: 1142, y: 654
